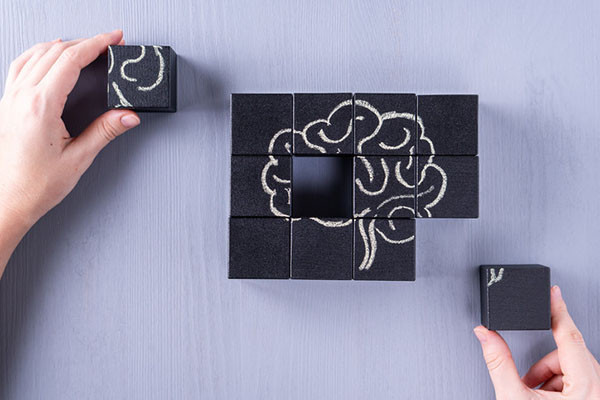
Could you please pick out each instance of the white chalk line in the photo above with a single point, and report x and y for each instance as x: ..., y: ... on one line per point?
x: 332, y: 224
x: 122, y: 100
x: 111, y: 59
x: 271, y: 192
x: 442, y: 191
x: 161, y: 70
x: 399, y: 176
x: 494, y: 278
x: 132, y: 61
x: 321, y: 132
x: 386, y: 172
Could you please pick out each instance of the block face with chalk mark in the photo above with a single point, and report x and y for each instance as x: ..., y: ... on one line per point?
x: 259, y: 248
x: 384, y: 187
x: 384, y: 250
x: 385, y: 124
x: 448, y: 187
x: 260, y: 186
x: 451, y: 124
x: 142, y: 78
x: 322, y: 248
x: 515, y: 297
x: 261, y: 124
x: 323, y: 123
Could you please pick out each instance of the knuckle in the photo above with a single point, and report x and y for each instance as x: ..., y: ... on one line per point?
x: 37, y: 102
x: 37, y: 47
x: 70, y: 54
x: 575, y: 336
x: 108, y: 130
x: 41, y: 47
x: 58, y: 47
x: 495, y: 361
x: 562, y: 307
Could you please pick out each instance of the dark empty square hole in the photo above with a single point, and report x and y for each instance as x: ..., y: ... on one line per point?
x: 322, y: 187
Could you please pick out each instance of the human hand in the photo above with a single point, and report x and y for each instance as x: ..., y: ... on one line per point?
x: 569, y: 372
x: 39, y: 161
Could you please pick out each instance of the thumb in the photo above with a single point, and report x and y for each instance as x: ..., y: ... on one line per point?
x: 501, y: 366
x: 103, y: 130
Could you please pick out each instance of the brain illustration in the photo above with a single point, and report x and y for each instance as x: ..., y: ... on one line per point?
x: 324, y: 134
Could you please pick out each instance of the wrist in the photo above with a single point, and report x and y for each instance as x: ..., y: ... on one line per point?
x: 13, y: 220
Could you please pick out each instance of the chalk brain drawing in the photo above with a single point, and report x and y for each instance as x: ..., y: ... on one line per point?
x: 397, y: 176
x: 142, y: 78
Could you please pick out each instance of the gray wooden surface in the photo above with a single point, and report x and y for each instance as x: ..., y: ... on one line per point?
x: 121, y: 291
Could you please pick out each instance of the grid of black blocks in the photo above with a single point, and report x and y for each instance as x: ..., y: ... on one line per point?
x: 332, y: 182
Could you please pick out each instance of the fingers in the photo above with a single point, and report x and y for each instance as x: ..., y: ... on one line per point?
x: 41, y: 68
x: 544, y: 369
x: 501, y: 366
x: 572, y: 352
x: 102, y: 131
x: 63, y: 74
x: 25, y: 61
x: 554, y: 384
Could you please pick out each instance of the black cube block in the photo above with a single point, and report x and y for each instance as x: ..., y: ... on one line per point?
x: 384, y: 186
x: 321, y: 248
x: 142, y: 78
x: 323, y: 123
x: 261, y: 124
x: 259, y: 248
x: 449, y: 124
x: 515, y: 297
x: 448, y: 186
x: 385, y: 124
x: 384, y: 249
x: 260, y: 186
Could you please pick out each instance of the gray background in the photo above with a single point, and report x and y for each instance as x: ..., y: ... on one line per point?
x: 121, y: 291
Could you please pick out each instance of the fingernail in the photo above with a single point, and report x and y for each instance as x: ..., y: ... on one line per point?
x: 129, y: 121
x: 556, y: 291
x: 481, y: 334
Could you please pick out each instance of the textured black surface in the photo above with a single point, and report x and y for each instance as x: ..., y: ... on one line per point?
x: 335, y: 126
x: 256, y: 119
x: 520, y: 300
x: 450, y: 122
x: 137, y: 94
x: 384, y: 186
x: 385, y: 123
x: 322, y: 186
x: 384, y: 250
x: 248, y: 196
x: 259, y: 248
x: 320, y: 252
x: 460, y: 191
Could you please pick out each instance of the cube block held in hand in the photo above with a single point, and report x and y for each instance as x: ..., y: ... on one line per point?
x: 515, y: 297
x: 142, y: 78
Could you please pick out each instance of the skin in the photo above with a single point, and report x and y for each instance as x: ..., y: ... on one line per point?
x: 41, y: 164
x: 39, y: 160
x: 569, y: 372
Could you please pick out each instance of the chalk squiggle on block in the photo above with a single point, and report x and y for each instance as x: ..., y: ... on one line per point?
x: 122, y: 100
x: 268, y: 172
x: 495, y: 278
x: 146, y: 77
